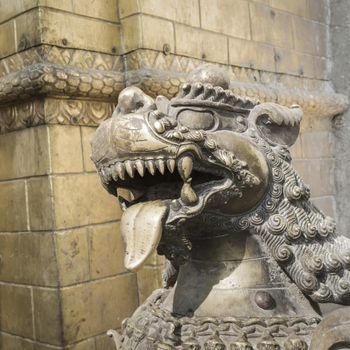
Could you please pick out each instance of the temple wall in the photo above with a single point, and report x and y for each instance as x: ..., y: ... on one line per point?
x: 276, y: 36
x: 62, y: 66
x: 58, y: 232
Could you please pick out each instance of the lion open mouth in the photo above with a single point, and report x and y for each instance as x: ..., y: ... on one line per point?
x: 151, y: 191
x: 180, y: 180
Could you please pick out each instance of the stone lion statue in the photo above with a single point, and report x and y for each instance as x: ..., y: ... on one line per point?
x: 206, y: 180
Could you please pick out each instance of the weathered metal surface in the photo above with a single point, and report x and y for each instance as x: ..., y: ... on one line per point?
x: 212, y: 188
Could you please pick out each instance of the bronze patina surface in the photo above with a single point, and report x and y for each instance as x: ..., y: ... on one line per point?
x: 206, y: 179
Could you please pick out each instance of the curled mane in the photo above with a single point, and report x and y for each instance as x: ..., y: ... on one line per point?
x: 300, y: 237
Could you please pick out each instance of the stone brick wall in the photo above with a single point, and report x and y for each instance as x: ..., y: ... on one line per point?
x: 61, y: 251
x: 66, y: 23
x: 62, y: 274
x: 275, y: 36
x: 62, y: 65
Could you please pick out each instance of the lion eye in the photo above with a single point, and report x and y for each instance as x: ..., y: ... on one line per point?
x: 196, y: 119
x: 267, y: 121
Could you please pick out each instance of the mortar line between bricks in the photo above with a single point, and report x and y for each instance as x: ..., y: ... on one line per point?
x: 32, y: 307
x: 96, y: 281
x: 30, y: 340
x: 221, y: 34
x: 291, y: 13
x: 61, y: 287
x: 86, y: 339
x: 26, y: 196
x: 29, y: 177
x: 63, y: 11
x: 60, y: 230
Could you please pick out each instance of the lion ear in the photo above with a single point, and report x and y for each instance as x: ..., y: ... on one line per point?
x: 277, y: 124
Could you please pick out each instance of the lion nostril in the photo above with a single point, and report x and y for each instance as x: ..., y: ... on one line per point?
x: 138, y: 105
x: 133, y: 99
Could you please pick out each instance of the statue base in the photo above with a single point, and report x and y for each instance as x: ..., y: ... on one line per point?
x: 154, y: 328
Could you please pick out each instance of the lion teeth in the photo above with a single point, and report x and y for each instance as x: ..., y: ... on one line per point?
x: 170, y: 163
x: 104, y: 174
x: 185, y: 167
x: 120, y: 170
x: 129, y: 167
x: 150, y: 167
x: 140, y: 167
x: 124, y: 193
x: 114, y: 172
x: 188, y: 195
x: 160, y: 166
x: 109, y: 173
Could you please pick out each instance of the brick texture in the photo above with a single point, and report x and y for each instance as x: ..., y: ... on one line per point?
x: 225, y: 17
x: 197, y: 43
x: 271, y: 26
x: 16, y: 310
x: 310, y: 37
x: 80, y: 201
x: 109, y: 300
x: 297, y: 7
x: 246, y: 53
x: 106, y: 10
x: 28, y: 258
x: 24, y: 153
x: 47, y: 315
x: 79, y: 32
x: 186, y: 12
x: 66, y: 152
x: 13, y: 206
x: 7, y: 38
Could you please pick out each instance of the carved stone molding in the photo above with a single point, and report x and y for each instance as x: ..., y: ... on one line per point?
x: 158, y: 74
x: 22, y: 115
x: 53, y: 80
x: 53, y: 111
x: 320, y: 103
x: 62, y: 56
x: 49, y: 71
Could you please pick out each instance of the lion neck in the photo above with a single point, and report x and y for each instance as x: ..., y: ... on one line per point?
x: 232, y: 275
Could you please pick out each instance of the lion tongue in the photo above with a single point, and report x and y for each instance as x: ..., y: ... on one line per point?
x: 141, y: 227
